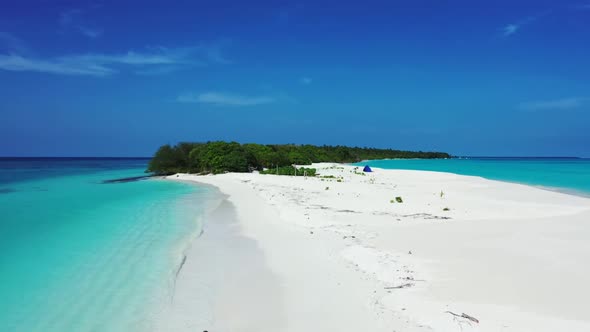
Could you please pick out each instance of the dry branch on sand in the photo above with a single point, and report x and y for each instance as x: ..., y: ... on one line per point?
x: 464, y: 315
x: 406, y: 285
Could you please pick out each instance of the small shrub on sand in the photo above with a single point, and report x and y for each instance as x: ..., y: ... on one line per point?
x: 327, y: 188
x: 446, y: 209
x: 399, y: 199
x: 290, y: 170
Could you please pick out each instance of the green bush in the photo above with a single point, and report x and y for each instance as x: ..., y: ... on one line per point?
x: 290, y: 170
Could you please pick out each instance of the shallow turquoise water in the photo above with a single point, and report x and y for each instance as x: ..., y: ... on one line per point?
x: 567, y: 174
x: 79, y: 255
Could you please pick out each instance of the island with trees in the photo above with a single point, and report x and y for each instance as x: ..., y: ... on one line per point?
x: 220, y: 157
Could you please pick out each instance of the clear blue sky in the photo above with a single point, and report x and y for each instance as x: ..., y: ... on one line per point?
x: 466, y: 77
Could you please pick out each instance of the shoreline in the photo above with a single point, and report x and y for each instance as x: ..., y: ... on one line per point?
x: 195, y: 208
x: 564, y: 190
x: 380, y: 266
x: 207, y: 280
x: 560, y: 190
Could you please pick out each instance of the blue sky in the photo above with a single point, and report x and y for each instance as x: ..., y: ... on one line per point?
x: 466, y: 77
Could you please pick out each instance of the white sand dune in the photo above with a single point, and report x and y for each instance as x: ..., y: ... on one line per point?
x: 311, y: 254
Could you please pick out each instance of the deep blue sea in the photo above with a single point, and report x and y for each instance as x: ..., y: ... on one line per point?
x: 77, y: 254
x: 563, y: 174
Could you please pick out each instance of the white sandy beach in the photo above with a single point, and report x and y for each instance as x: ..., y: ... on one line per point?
x: 309, y: 254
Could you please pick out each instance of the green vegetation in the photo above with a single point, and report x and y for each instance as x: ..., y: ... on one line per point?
x: 330, y: 178
x: 446, y: 209
x: 290, y: 170
x: 356, y: 171
x: 397, y: 199
x: 220, y: 157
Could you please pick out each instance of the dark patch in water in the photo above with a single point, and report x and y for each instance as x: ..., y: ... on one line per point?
x: 7, y: 190
x: 125, y: 180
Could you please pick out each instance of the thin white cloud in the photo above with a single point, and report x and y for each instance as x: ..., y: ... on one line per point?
x: 224, y: 99
x: 306, y: 80
x: 158, y: 70
x: 512, y: 28
x: 91, y: 32
x: 96, y: 64
x: 129, y: 58
x: 17, y: 63
x: 558, y: 104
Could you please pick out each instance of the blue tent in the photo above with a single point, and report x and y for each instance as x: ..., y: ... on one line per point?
x: 367, y: 169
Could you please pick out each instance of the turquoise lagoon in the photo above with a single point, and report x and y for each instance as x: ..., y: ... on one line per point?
x: 77, y: 254
x: 564, y: 174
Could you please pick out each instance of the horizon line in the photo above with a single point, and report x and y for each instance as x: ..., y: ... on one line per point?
x: 137, y: 157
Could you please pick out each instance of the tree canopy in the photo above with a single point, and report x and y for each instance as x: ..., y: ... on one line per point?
x: 220, y: 157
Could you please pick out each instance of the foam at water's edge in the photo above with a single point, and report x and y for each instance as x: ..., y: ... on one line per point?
x: 571, y: 176
x: 182, y: 246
